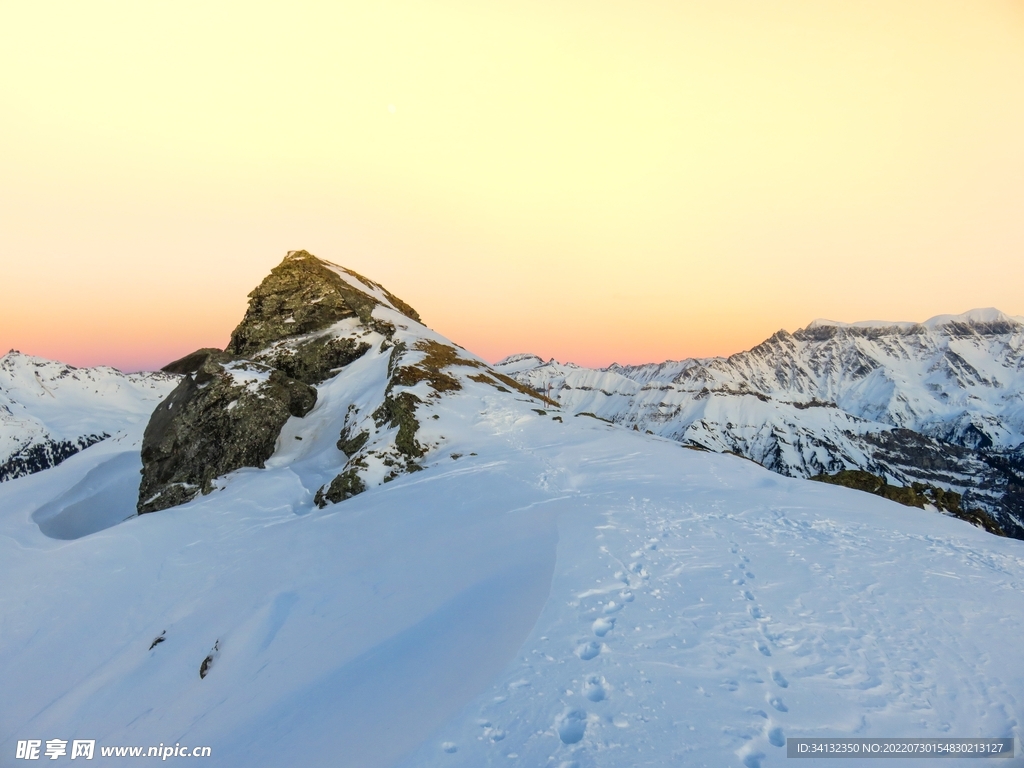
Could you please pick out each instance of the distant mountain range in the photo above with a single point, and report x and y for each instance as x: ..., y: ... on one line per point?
x: 939, y: 402
x: 50, y: 411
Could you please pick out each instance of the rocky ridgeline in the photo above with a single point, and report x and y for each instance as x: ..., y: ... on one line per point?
x: 384, y: 442
x: 307, y: 322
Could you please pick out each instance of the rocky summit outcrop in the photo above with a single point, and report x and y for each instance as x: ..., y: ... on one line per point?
x: 313, y: 332
x: 229, y: 409
x: 303, y: 295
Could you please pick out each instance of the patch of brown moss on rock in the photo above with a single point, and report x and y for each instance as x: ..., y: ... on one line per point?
x: 483, y: 378
x: 915, y: 495
x: 302, y: 295
x: 213, y: 423
x: 493, y: 378
x: 437, y: 357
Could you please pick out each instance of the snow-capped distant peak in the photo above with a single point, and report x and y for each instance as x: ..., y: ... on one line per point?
x: 984, y: 316
x: 825, y: 323
x: 519, y: 363
x: 522, y: 357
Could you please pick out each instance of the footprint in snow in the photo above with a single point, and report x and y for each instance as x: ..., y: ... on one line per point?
x: 612, y: 607
x: 603, y: 626
x: 595, y: 688
x: 748, y: 595
x: 776, y: 737
x: 571, y: 725
x: 779, y: 679
x: 626, y: 596
x: 762, y: 648
x: 753, y: 760
x: 494, y: 734
x: 778, y: 703
x: 756, y: 612
x: 588, y: 651
x: 450, y: 747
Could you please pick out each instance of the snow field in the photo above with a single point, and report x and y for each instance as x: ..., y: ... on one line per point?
x: 703, y: 627
x: 573, y: 595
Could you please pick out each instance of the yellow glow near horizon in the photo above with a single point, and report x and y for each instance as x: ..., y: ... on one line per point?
x: 590, y: 180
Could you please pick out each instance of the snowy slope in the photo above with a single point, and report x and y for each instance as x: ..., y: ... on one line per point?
x: 49, y: 410
x: 573, y: 594
x: 823, y: 398
x: 541, y: 589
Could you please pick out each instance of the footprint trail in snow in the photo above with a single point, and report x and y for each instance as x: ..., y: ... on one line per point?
x: 699, y: 627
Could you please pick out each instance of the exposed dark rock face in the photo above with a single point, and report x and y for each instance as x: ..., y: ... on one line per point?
x: 39, y: 456
x: 303, y: 295
x: 399, y: 411
x: 344, y: 486
x: 211, y: 657
x: 221, y: 418
x: 314, y: 361
x: 351, y: 445
x: 193, y: 361
x: 992, y: 481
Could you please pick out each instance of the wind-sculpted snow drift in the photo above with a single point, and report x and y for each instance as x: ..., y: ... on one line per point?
x: 939, y: 402
x: 434, y: 567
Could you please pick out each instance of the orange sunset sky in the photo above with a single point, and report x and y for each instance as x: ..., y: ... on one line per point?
x: 595, y: 181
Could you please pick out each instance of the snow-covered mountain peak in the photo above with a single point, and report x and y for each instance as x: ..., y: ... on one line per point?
x: 986, y: 321
x: 518, y: 362
x: 319, y: 345
x: 303, y: 295
x: 871, y: 324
